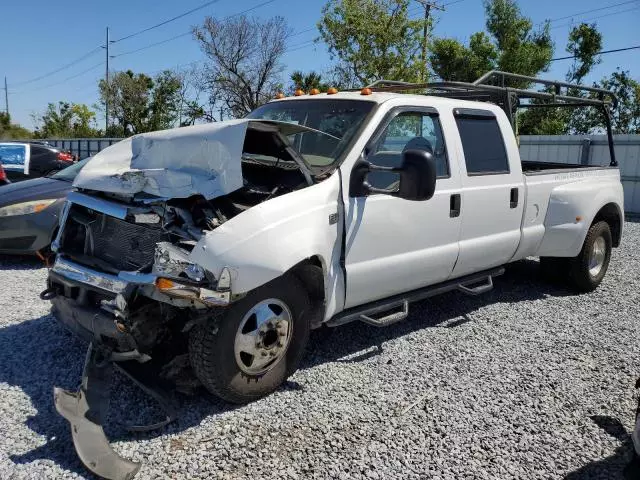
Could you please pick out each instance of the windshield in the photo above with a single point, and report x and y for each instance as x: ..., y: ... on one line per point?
x: 69, y: 174
x: 335, y: 122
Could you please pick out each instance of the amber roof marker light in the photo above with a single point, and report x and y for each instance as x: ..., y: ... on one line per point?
x: 366, y: 91
x: 332, y: 91
x: 314, y: 91
x: 279, y: 96
x: 299, y: 92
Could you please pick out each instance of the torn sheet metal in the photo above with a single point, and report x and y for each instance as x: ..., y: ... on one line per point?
x: 176, y: 163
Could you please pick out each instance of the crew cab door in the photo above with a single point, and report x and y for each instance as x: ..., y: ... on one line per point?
x: 492, y: 196
x: 394, y: 245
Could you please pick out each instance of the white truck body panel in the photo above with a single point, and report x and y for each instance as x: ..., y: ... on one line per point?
x: 572, y: 195
x: 270, y: 238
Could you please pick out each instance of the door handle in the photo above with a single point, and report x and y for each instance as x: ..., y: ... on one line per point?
x: 455, y: 203
x: 513, y: 200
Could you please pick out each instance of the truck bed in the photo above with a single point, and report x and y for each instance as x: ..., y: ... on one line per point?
x: 532, y: 167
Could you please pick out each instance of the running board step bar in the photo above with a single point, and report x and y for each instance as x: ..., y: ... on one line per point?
x: 474, y: 284
x: 387, y: 319
x: 478, y: 289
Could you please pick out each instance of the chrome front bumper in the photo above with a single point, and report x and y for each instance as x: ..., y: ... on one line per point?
x: 117, y: 284
x: 102, y: 281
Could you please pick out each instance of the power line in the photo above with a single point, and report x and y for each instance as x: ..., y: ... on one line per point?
x: 152, y: 45
x: 61, y: 81
x: 134, y: 34
x: 599, y: 53
x: 301, y: 32
x: 167, y: 40
x: 590, y: 11
x: 44, y: 75
x: 596, y: 18
x: 300, y: 46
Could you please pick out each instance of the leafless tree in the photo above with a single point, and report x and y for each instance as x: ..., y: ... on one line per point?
x: 244, y: 60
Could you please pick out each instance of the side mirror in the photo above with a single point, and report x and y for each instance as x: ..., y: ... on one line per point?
x: 417, y: 177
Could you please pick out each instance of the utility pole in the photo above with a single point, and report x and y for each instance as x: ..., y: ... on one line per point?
x: 6, y: 96
x: 108, y: 90
x: 427, y: 11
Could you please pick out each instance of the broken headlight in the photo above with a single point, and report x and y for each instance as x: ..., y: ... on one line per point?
x: 173, y: 262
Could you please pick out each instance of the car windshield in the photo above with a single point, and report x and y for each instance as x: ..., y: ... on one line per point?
x: 69, y: 174
x: 335, y: 122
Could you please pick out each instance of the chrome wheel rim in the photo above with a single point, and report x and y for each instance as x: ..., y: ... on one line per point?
x: 263, y: 336
x: 597, y: 256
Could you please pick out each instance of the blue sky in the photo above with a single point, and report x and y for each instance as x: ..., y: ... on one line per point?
x: 41, y: 36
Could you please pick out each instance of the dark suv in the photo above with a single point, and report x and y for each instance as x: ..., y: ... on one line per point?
x: 24, y: 160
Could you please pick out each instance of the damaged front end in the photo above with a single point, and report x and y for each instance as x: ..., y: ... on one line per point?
x: 120, y: 283
x: 123, y: 277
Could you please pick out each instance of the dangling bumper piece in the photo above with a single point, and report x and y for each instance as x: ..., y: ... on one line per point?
x: 86, y: 410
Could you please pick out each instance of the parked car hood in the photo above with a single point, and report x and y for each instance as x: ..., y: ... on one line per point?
x: 34, y: 189
x: 177, y: 163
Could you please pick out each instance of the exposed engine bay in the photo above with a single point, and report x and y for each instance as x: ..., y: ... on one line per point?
x: 112, y: 244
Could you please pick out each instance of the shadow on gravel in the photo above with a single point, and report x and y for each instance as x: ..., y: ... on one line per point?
x: 615, y: 466
x: 521, y: 281
x: 37, y: 354
x: 20, y: 262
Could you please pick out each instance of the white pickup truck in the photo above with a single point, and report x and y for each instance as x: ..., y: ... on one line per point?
x: 218, y: 247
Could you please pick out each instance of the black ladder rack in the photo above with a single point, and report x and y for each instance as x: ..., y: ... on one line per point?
x: 507, y: 90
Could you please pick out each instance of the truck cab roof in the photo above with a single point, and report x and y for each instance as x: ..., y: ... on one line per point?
x: 382, y: 97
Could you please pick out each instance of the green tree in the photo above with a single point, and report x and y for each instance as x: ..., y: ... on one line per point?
x: 584, y: 43
x: 454, y: 62
x: 164, y: 103
x: 307, y: 81
x: 625, y: 118
x: 12, y: 131
x: 139, y: 103
x: 66, y: 120
x: 512, y: 45
x: 244, y: 60
x: 372, y: 40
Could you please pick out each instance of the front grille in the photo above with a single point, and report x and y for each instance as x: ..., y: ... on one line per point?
x: 124, y: 245
x: 121, y: 244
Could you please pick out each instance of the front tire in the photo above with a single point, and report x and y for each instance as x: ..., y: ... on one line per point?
x: 251, y: 350
x: 590, y: 266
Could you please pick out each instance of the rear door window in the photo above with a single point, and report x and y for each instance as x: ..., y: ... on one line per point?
x: 482, y: 142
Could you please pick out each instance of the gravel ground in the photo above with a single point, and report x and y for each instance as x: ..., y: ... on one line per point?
x: 527, y: 381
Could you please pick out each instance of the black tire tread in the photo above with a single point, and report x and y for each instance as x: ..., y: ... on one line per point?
x: 579, y: 277
x: 203, y: 341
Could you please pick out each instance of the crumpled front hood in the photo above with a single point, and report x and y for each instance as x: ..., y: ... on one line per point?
x: 176, y: 163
